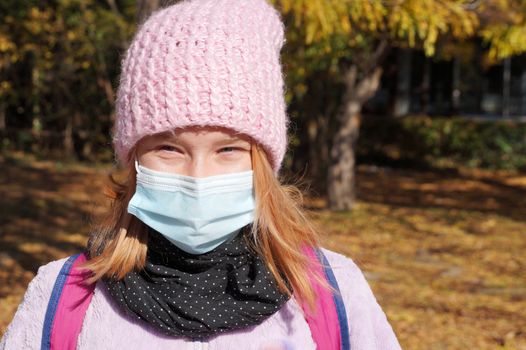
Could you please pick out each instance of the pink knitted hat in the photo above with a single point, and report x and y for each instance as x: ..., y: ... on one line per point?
x: 205, y: 62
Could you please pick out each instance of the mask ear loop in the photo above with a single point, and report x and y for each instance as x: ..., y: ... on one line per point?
x: 137, y: 166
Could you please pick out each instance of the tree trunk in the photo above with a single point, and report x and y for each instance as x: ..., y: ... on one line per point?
x: 341, y: 173
x: 341, y: 179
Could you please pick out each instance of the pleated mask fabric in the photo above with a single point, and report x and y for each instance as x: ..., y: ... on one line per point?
x: 195, y: 214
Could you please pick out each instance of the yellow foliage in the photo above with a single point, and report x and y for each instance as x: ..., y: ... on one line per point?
x: 71, y: 35
x: 505, y: 40
x: 504, y: 28
x: 5, y: 44
x: 412, y: 22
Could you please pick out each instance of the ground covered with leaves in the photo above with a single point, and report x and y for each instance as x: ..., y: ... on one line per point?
x: 442, y: 250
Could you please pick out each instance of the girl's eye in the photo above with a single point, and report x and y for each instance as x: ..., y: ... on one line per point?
x: 228, y: 148
x: 168, y: 148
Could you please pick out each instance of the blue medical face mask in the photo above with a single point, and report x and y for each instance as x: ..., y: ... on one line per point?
x: 195, y: 214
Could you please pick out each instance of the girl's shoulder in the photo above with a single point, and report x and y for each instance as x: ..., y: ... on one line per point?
x: 51, y: 269
x: 41, y: 286
x: 364, y: 313
x: 342, y: 264
x: 350, y: 277
x: 337, y: 259
x: 42, y: 283
x: 25, y: 330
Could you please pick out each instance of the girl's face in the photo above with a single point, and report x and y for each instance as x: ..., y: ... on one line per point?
x: 196, y: 151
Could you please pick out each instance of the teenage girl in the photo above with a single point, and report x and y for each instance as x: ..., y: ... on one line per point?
x: 203, y: 247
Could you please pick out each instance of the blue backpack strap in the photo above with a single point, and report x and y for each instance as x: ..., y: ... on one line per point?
x: 53, y: 302
x: 338, y: 300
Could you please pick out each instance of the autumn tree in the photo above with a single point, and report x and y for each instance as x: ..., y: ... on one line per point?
x: 351, y: 39
x: 58, y: 62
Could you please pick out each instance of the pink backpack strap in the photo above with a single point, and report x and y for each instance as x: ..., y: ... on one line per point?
x: 328, y: 322
x: 67, y: 306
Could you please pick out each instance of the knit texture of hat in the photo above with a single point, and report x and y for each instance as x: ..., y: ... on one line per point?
x: 205, y: 63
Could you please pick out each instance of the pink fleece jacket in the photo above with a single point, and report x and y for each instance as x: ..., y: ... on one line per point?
x: 105, y: 327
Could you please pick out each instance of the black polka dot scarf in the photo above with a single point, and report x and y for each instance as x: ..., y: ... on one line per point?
x: 199, y: 296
